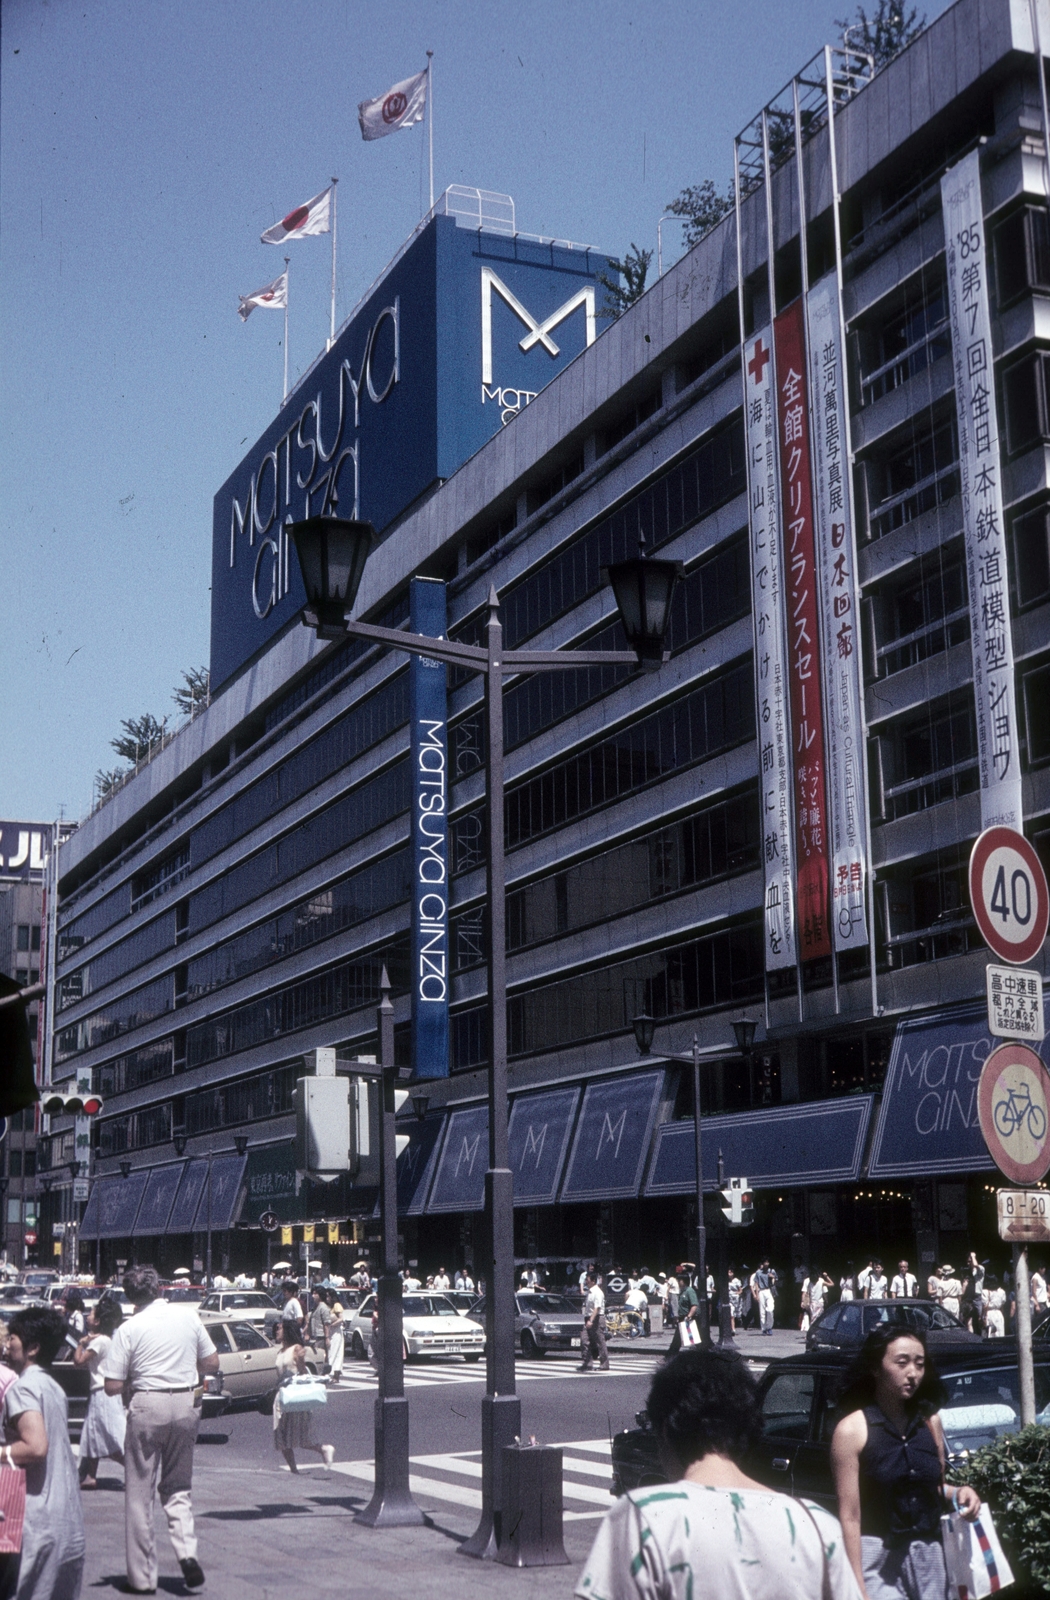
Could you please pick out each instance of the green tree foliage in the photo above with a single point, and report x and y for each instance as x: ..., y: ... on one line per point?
x: 193, y: 692
x: 633, y: 270
x: 139, y: 736
x: 701, y: 206
x: 885, y: 33
x: 1013, y: 1475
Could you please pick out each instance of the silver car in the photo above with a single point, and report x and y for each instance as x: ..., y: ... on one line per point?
x: 543, y: 1320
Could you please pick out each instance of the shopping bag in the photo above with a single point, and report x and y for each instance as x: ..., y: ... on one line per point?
x: 12, y: 1509
x: 690, y: 1332
x: 303, y: 1392
x: 974, y: 1557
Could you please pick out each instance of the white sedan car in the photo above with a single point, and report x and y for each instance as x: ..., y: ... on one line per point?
x: 432, y: 1327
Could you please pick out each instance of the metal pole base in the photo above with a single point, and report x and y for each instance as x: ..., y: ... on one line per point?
x: 725, y: 1327
x: 500, y: 1425
x: 391, y: 1505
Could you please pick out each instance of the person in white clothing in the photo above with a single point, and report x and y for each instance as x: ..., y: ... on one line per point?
x: 441, y: 1281
x: 949, y: 1290
x: 1040, y: 1296
x: 847, y: 1285
x: 713, y: 1532
x: 158, y: 1355
x: 905, y: 1285
x: 863, y: 1279
x: 993, y: 1299
x: 814, y: 1294
x: 878, y: 1284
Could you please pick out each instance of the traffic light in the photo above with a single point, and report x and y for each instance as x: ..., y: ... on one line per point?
x: 322, y: 1126
x: 738, y: 1203
x: 82, y: 1104
x: 401, y: 1140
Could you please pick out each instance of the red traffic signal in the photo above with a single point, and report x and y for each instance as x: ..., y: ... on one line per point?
x: 71, y: 1105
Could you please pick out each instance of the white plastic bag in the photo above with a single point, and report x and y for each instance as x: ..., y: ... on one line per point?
x: 974, y: 1557
x: 303, y: 1393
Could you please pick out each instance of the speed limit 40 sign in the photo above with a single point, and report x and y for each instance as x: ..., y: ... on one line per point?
x: 1008, y: 894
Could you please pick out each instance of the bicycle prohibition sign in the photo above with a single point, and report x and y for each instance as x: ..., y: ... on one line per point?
x: 1013, y: 1100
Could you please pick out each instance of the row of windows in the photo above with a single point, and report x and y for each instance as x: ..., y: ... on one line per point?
x: 333, y: 663
x: 143, y: 945
x: 121, y: 1015
x: 137, y: 1130
x: 264, y: 1094
x: 342, y: 989
x: 136, y: 1069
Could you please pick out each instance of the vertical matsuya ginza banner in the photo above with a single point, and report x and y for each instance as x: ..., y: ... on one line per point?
x: 767, y: 610
x: 980, y: 470
x: 430, y: 886
x: 805, y: 678
x: 837, y: 589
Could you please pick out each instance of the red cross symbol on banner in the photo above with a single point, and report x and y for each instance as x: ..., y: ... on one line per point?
x: 757, y: 365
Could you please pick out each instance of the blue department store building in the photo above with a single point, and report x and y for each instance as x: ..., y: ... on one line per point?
x: 230, y: 908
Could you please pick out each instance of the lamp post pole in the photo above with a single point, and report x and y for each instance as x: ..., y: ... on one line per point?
x: 332, y: 554
x: 391, y: 1505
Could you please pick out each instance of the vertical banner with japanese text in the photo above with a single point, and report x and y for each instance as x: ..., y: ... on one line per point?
x: 980, y: 481
x: 771, y: 693
x: 430, y: 885
x: 803, y: 633
x: 837, y: 590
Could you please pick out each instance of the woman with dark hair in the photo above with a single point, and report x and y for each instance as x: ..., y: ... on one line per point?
x: 36, y: 1433
x: 74, y: 1308
x: 105, y: 1424
x: 888, y: 1457
x: 294, y: 1430
x: 713, y: 1533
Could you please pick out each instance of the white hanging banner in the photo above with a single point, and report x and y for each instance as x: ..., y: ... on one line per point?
x: 771, y: 690
x: 982, y: 502
x: 839, y: 624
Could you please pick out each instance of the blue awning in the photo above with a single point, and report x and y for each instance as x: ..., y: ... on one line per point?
x: 112, y: 1204
x: 459, y: 1182
x: 185, y: 1208
x: 928, y: 1121
x: 219, y: 1193
x: 540, y: 1128
x: 415, y: 1164
x: 158, y: 1199
x: 784, y: 1147
x: 612, y: 1138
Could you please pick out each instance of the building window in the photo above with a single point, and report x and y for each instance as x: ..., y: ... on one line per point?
x: 913, y: 477
x: 160, y: 879
x: 23, y: 936
x: 1025, y: 402
x: 927, y: 913
x: 923, y: 616
x: 624, y: 425
x: 1022, y: 253
x: 1035, y: 692
x: 930, y: 758
x: 908, y: 342
x: 14, y: 1163
x: 540, y: 493
x: 1030, y: 552
x: 14, y: 1211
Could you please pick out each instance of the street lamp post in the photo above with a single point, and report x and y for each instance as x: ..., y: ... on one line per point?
x: 644, y: 1028
x: 391, y: 1505
x: 332, y: 553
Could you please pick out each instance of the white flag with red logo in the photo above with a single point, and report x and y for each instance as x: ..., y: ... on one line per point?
x: 275, y: 295
x: 313, y: 217
x: 401, y: 107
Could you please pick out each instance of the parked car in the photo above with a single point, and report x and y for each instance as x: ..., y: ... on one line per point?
x: 799, y: 1397
x: 432, y: 1327
x: 543, y: 1320
x: 247, y: 1305
x: 184, y: 1294
x: 847, y: 1325
x: 247, y: 1362
x: 37, y: 1277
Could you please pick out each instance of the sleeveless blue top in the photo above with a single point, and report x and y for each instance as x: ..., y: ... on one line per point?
x: 900, y: 1481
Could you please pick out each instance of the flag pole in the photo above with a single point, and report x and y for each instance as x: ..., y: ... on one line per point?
x: 287, y: 260
x: 430, y: 120
x: 331, y: 333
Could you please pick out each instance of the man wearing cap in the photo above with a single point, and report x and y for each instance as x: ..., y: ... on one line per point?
x: 157, y: 1355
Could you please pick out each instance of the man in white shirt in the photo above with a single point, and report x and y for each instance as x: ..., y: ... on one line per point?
x: 878, y: 1284
x: 863, y: 1279
x: 637, y: 1300
x: 594, y: 1326
x: 1040, y: 1294
x: 441, y: 1281
x: 905, y: 1284
x: 158, y: 1355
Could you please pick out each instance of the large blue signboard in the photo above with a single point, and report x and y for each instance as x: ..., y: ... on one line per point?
x: 459, y: 1183
x: 538, y: 1137
x: 786, y: 1147
x: 461, y: 332
x: 612, y: 1137
x: 928, y: 1122
x: 429, y: 732
x: 416, y: 1164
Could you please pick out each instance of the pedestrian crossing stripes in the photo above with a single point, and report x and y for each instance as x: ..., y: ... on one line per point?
x: 455, y: 1478
x: 627, y: 1364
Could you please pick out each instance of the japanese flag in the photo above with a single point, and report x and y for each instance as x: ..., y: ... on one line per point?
x: 313, y: 217
x: 275, y: 295
x: 401, y: 107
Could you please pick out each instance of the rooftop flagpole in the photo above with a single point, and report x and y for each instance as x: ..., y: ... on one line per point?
x: 430, y: 120
x: 287, y: 261
x: 331, y: 330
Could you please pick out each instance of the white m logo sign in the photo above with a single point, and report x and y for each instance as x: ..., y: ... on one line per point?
x: 539, y: 332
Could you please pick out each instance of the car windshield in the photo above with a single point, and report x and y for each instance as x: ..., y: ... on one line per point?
x: 427, y: 1305
x: 548, y: 1304
x: 926, y: 1318
x: 982, y: 1405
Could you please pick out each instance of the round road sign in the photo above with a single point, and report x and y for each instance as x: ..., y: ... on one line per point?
x: 1013, y: 1108
x: 270, y: 1221
x: 30, y: 1237
x: 1008, y: 894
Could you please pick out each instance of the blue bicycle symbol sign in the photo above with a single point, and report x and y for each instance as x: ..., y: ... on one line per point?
x: 1015, y: 1112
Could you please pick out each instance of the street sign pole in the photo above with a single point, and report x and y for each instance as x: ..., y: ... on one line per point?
x: 1025, y: 1363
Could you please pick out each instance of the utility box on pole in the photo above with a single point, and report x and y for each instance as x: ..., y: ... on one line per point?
x: 322, y: 1126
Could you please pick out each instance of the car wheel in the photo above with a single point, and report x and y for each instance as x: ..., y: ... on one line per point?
x: 357, y: 1348
x: 473, y: 1358
x: 529, y: 1348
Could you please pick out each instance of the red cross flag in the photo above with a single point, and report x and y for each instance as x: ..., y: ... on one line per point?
x: 275, y: 295
x: 401, y: 107
x: 313, y: 217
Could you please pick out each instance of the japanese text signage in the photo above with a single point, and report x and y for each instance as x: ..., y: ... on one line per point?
x: 767, y: 610
x: 429, y: 739
x: 805, y: 678
x: 980, y: 473
x: 1015, y: 1002
x: 837, y: 589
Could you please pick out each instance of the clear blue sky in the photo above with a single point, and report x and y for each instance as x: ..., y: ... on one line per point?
x: 144, y: 146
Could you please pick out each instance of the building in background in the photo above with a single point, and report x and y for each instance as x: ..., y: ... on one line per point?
x: 699, y: 844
